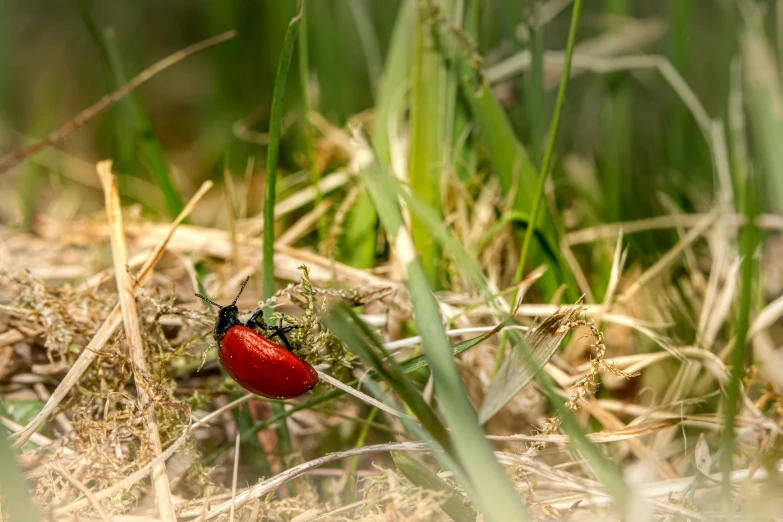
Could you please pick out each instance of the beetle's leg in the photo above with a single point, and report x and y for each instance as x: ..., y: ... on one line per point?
x: 280, y: 332
x: 257, y: 320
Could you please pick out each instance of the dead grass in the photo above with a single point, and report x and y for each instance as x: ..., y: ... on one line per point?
x: 93, y: 456
x: 643, y: 370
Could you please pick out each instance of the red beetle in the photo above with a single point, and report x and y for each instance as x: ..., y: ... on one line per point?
x: 254, y: 361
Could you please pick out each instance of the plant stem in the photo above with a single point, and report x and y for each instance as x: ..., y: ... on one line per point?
x: 546, y: 165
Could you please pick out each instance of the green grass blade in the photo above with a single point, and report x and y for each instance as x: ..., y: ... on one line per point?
x: 360, y: 340
x: 523, y: 361
x: 16, y: 503
x: 765, y: 104
x: 122, y: 115
x: 534, y: 93
x: 516, y: 175
x: 307, y: 108
x: 495, y: 496
x: 450, y: 107
x: 284, y: 437
x: 749, y: 242
x: 349, y: 491
x: 368, y: 39
x: 360, y: 235
x: 420, y: 476
x: 617, y: 142
x: 428, y: 91
x: 464, y: 156
x: 765, y: 99
x: 393, y: 84
x: 679, y: 125
x: 546, y: 165
x: 443, y: 458
x: 274, y: 149
x: 151, y: 151
x: 550, y: 148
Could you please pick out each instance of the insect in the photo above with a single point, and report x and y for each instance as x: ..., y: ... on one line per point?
x: 256, y: 362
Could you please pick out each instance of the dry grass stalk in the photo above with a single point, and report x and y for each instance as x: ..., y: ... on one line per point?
x: 586, y: 385
x: 145, y: 470
x: 305, y: 224
x: 130, y: 317
x: 273, y: 483
x: 668, y: 258
x: 106, y: 330
x: 769, y: 222
x: 217, y: 243
x: 362, y: 396
x: 85, y: 491
x: 254, y: 226
x: 110, y: 99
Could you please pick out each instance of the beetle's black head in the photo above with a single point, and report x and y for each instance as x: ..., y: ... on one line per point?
x: 228, y: 315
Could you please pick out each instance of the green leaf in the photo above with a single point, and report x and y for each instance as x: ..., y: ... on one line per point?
x: 16, y: 504
x: 394, y: 83
x: 517, y: 176
x: 428, y: 107
x: 307, y: 107
x: 274, y: 148
x: 422, y: 477
x: 360, y: 340
x: 494, y: 493
x: 381, y: 187
x: 765, y: 103
x: 289, y: 42
x: 518, y: 369
x: 151, y: 150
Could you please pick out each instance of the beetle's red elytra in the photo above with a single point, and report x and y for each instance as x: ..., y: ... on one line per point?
x: 258, y: 364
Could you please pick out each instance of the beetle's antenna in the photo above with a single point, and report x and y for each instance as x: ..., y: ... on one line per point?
x: 240, y: 291
x: 207, y: 300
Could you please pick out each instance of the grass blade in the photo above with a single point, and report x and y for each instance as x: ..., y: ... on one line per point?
x: 518, y: 369
x: 360, y: 340
x: 307, y: 107
x: 274, y: 149
x: 428, y: 91
x: 765, y: 104
x: 149, y: 146
x: 526, y: 360
x: 765, y: 99
x: 349, y: 491
x: 393, y: 84
x: 546, y: 165
x: 284, y: 437
x: 360, y: 234
x: 16, y: 504
x: 515, y: 172
x: 495, y: 496
x: 550, y: 148
x: 534, y: 83
x: 368, y: 39
x: 420, y: 476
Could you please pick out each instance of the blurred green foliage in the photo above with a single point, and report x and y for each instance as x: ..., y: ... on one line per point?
x: 411, y: 65
x: 639, y: 134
